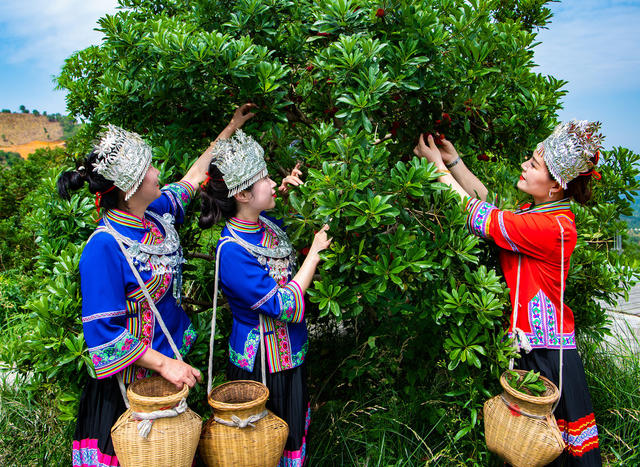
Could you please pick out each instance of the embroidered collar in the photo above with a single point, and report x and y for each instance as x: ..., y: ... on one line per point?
x: 120, y: 217
x: 551, y: 206
x: 240, y: 225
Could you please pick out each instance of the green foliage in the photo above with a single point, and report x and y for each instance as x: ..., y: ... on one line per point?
x: 407, y: 303
x: 528, y: 383
x: 9, y: 157
x: 612, y: 373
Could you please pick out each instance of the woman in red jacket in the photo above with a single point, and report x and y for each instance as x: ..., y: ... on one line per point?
x: 536, y: 243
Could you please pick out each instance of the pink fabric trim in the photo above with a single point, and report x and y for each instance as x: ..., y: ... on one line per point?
x: 87, y: 454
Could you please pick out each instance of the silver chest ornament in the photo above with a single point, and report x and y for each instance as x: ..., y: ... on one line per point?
x: 161, y: 258
x: 280, y: 258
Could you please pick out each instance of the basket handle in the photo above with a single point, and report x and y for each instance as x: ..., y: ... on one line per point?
x: 561, y: 311
x: 515, y: 312
x: 156, y: 313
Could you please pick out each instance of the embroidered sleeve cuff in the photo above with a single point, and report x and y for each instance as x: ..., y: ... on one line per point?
x: 183, y: 192
x: 479, y: 216
x: 291, y: 303
x: 116, y: 355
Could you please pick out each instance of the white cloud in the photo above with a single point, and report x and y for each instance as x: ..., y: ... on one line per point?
x: 593, y: 45
x: 45, y: 32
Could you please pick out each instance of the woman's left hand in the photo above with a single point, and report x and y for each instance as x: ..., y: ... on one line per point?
x: 241, y: 115
x: 292, y: 179
x: 430, y: 152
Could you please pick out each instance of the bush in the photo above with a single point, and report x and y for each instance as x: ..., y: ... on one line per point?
x: 407, y: 302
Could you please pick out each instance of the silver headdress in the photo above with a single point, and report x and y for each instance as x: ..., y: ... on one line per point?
x: 241, y: 161
x: 123, y: 158
x: 571, y: 150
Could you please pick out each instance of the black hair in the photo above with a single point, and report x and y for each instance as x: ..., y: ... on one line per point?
x: 579, y: 189
x: 215, y: 203
x: 73, y: 180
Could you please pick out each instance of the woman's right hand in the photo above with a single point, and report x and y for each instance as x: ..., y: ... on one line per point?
x: 447, y: 151
x: 179, y: 373
x: 321, y: 241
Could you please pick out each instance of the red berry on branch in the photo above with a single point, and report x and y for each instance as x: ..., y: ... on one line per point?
x: 323, y: 34
x: 305, y: 251
x: 309, y: 68
x: 394, y: 128
x: 438, y: 122
x: 446, y: 117
x: 483, y: 157
x: 380, y: 13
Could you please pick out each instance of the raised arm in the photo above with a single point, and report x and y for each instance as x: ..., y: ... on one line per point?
x: 432, y: 154
x: 454, y: 163
x: 198, y: 171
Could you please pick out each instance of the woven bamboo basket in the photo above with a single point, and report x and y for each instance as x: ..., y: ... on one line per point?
x: 260, y: 445
x: 172, y: 442
x: 521, y: 428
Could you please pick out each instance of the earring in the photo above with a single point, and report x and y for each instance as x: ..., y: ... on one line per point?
x: 550, y: 194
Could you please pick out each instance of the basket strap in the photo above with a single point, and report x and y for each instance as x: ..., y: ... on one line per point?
x: 152, y: 305
x: 516, y: 335
x: 213, y: 314
x: 561, y: 311
x: 123, y: 391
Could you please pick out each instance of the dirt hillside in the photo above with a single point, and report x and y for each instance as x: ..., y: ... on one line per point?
x: 24, y: 133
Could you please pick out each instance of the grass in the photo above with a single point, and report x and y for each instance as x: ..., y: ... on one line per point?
x: 30, y: 432
x: 386, y: 430
x: 613, y: 375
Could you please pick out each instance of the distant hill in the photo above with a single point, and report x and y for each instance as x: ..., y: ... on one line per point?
x: 23, y: 133
x: 634, y: 221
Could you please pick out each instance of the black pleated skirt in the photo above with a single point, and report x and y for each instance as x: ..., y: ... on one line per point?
x: 574, y: 413
x: 101, y: 404
x: 289, y: 400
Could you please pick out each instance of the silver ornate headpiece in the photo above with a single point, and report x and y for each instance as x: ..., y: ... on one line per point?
x: 241, y: 161
x: 571, y: 150
x: 123, y: 158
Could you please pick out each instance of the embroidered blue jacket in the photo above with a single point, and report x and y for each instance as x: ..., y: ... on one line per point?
x: 250, y: 289
x: 119, y: 326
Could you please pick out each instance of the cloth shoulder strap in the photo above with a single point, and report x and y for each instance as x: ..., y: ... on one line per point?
x: 224, y: 241
x: 520, y: 338
x: 152, y: 304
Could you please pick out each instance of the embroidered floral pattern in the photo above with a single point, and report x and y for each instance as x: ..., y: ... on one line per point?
x: 116, y: 355
x: 284, y: 347
x: 478, y: 215
x: 188, y: 338
x: 291, y: 303
x: 247, y: 359
x: 181, y: 192
x: 542, y: 319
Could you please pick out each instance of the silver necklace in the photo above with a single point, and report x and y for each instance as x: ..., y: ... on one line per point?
x: 280, y: 258
x: 161, y: 258
x: 281, y: 250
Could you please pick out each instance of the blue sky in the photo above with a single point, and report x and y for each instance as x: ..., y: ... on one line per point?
x: 593, y: 44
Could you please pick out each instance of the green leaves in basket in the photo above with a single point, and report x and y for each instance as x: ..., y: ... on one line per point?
x: 529, y: 383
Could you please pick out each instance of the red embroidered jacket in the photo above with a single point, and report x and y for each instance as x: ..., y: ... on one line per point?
x: 534, y: 234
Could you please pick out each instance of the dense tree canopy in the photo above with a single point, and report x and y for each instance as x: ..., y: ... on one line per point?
x: 406, y: 295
